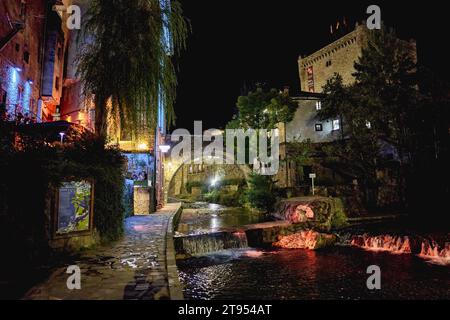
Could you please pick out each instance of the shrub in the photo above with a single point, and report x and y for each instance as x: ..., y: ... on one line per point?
x: 260, y: 193
x: 339, y: 219
x: 32, y: 165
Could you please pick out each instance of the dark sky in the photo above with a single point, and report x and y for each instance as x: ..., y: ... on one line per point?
x: 242, y: 42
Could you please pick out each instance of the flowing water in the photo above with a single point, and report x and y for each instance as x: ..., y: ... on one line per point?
x: 207, y: 228
x: 334, y: 273
x: 204, y: 217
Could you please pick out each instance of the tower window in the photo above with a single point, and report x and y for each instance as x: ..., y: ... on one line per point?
x: 336, y: 125
x: 329, y: 63
x: 318, y: 105
x: 319, y: 127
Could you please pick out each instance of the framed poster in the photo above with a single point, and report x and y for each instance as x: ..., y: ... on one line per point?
x: 74, y: 208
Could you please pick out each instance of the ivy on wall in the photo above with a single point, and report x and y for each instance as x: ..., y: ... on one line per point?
x: 33, y: 163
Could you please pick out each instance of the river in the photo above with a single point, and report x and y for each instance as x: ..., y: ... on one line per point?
x: 335, y: 273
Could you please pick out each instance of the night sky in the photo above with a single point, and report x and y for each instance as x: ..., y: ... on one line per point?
x: 237, y: 43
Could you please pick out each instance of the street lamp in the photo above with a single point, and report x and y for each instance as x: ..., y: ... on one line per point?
x: 164, y: 148
x: 62, y: 134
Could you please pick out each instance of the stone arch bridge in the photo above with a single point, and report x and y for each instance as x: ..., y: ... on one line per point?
x: 178, y: 172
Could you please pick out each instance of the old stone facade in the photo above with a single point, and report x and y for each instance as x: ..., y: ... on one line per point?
x: 33, y: 54
x: 21, y: 55
x: 307, y: 126
x: 337, y: 57
x: 76, y: 106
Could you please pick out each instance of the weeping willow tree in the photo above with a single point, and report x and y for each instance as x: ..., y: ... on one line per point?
x: 127, y: 59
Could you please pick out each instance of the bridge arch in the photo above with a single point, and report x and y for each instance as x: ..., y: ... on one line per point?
x: 172, y: 169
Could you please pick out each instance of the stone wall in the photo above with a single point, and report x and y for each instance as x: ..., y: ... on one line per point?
x: 201, y: 174
x: 303, y: 126
x: 337, y: 57
x: 23, y: 52
x: 141, y: 201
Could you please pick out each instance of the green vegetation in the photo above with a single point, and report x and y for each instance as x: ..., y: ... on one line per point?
x: 222, y: 193
x: 260, y: 193
x: 223, y: 197
x: 32, y: 167
x: 196, y: 184
x: 263, y: 109
x: 135, y: 71
x: 339, y: 218
x: 390, y: 119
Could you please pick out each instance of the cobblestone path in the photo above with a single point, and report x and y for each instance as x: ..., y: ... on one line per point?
x: 131, y: 269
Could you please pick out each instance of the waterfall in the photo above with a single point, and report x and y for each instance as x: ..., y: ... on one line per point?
x: 301, y: 240
x: 424, y: 248
x: 432, y: 251
x: 207, y: 243
x: 388, y: 243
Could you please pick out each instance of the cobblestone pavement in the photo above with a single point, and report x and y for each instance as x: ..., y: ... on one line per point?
x: 131, y: 269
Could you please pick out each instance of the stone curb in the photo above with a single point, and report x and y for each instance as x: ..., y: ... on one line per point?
x: 175, y: 287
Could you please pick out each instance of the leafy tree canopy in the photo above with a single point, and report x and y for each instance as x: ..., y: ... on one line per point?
x: 126, y: 60
x: 262, y: 109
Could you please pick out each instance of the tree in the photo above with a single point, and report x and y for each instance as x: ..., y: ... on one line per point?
x: 301, y: 154
x: 358, y: 153
x: 126, y: 59
x: 379, y: 111
x: 263, y: 109
x: 386, y: 84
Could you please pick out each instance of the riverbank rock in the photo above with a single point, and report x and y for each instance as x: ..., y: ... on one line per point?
x: 309, y: 239
x: 322, y: 214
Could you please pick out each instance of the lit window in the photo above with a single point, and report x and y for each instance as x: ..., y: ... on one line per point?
x: 336, y: 125
x: 318, y: 105
x: 368, y: 125
x: 319, y: 127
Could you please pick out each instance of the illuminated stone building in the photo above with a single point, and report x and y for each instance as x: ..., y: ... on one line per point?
x: 21, y: 56
x: 314, y: 72
x: 32, y: 59
x: 337, y: 57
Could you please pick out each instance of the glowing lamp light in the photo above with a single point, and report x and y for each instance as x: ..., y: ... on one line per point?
x: 30, y: 81
x: 164, y: 148
x: 18, y: 69
x: 214, y: 181
x: 142, y: 146
x: 62, y: 134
